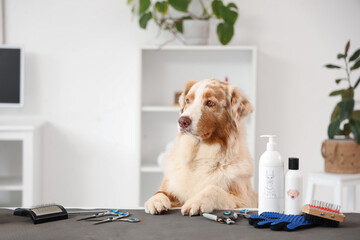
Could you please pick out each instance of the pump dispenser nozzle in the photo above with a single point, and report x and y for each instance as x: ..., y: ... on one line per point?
x: 271, y: 145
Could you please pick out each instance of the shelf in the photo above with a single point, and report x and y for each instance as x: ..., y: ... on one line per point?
x: 10, y: 123
x: 11, y: 199
x: 150, y: 184
x: 151, y: 169
x: 178, y: 64
x: 160, y: 109
x: 204, y: 48
x: 11, y: 184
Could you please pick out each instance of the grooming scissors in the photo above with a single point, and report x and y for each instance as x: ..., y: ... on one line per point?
x: 107, y: 213
x: 119, y: 218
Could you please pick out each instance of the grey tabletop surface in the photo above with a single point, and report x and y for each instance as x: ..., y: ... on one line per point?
x: 171, y: 225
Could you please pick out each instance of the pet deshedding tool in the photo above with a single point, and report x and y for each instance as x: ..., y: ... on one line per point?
x: 323, y: 213
x: 278, y: 221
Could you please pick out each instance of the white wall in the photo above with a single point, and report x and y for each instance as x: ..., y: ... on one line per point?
x: 295, y: 40
x: 81, y: 77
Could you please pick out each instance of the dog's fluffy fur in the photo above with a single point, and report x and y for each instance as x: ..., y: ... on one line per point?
x: 209, y: 166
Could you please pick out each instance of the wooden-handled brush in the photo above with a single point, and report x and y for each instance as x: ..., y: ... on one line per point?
x: 323, y: 213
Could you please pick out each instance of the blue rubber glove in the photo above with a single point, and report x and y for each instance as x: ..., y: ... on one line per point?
x: 291, y: 223
x: 264, y: 220
x: 279, y: 221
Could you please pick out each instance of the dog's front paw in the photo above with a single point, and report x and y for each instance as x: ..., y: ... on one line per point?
x: 195, y: 206
x: 157, y: 204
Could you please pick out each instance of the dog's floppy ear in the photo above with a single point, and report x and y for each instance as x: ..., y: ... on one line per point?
x: 240, y: 105
x: 188, y: 86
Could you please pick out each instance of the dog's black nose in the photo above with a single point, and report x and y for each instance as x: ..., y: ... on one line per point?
x: 184, y: 122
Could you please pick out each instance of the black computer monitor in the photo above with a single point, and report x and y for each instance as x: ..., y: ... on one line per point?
x: 11, y: 76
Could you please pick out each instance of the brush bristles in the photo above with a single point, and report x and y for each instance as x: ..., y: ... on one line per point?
x: 321, y: 221
x: 323, y: 213
x: 325, y: 206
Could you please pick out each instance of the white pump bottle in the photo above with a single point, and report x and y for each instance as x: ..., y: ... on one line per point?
x: 271, y: 179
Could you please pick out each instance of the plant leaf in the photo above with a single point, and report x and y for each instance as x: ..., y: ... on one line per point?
x: 180, y: 5
x: 346, y: 108
x: 216, y: 6
x: 347, y: 94
x: 355, y: 129
x: 337, y: 92
x: 356, y: 115
x: 346, y: 130
x: 162, y: 7
x: 339, y: 80
x: 225, y: 32
x: 143, y: 6
x: 355, y: 55
x: 333, y: 128
x: 356, y: 65
x: 144, y: 19
x: 179, y: 27
x: 129, y: 1
x: 229, y: 16
x: 332, y: 66
x: 357, y: 83
x: 340, y: 55
x: 347, y: 47
x: 336, y: 113
x: 232, y: 5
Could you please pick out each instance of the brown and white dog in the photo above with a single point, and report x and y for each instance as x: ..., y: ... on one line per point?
x: 209, y: 166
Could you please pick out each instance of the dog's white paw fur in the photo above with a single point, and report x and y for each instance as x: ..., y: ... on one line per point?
x: 157, y: 204
x: 196, y: 206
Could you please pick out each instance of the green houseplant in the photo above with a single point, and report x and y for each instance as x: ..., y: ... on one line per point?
x: 158, y: 11
x: 342, y: 156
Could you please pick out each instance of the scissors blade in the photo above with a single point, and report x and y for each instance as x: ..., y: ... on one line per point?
x: 92, y: 216
x: 85, y: 212
x: 110, y: 219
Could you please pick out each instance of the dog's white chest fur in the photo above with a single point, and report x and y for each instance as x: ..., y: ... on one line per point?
x: 192, y: 166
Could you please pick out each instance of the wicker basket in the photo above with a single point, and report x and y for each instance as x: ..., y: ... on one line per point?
x: 341, y: 156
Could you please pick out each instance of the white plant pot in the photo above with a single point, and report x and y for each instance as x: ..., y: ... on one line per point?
x: 196, y: 32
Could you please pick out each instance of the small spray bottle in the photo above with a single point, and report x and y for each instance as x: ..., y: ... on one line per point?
x: 293, y: 188
x: 271, y: 179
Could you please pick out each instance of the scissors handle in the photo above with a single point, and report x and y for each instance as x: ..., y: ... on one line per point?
x: 121, y: 216
x: 133, y: 220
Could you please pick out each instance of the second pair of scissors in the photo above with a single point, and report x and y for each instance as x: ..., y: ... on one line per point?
x: 107, y: 213
x: 118, y: 218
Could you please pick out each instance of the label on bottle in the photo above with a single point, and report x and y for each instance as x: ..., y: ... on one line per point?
x: 272, y: 184
x: 293, y: 195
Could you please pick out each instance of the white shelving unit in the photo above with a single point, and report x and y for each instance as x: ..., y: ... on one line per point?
x: 151, y: 169
x: 159, y: 109
x: 167, y: 70
x: 19, y: 162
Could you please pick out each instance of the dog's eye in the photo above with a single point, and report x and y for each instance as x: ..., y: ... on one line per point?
x: 187, y: 100
x: 210, y: 103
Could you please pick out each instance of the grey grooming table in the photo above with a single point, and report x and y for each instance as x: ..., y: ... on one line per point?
x: 171, y: 225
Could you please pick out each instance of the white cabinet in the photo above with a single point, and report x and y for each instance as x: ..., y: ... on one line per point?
x: 19, y: 163
x: 167, y: 70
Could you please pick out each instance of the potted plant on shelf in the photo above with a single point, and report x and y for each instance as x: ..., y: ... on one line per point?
x: 342, y: 151
x: 194, y: 28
